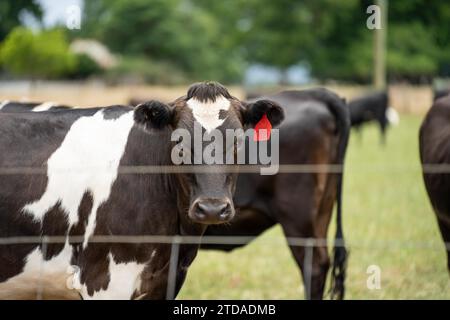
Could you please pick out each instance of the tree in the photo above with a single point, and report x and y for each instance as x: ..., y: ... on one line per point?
x: 206, y: 39
x: 37, y: 55
x: 11, y: 12
x: 175, y: 32
x: 284, y: 33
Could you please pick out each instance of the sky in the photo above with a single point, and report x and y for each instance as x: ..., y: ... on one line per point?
x: 55, y: 10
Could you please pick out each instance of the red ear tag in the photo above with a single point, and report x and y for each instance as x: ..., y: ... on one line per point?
x: 262, y: 129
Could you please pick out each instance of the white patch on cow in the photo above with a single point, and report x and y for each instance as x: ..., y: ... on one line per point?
x: 48, y: 275
x: 87, y: 160
x: 125, y: 278
x: 392, y: 116
x: 207, y: 113
x: 43, y: 107
x: 3, y: 103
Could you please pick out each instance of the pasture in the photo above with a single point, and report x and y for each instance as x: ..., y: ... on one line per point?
x: 388, y: 222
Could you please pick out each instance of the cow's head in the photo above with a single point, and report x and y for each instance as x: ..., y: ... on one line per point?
x: 207, y: 108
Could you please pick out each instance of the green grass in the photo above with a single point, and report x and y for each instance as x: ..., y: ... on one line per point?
x: 388, y: 222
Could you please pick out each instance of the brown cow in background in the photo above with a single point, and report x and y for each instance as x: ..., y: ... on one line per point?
x: 434, y: 142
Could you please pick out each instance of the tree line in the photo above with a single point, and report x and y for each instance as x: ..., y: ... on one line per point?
x: 170, y: 41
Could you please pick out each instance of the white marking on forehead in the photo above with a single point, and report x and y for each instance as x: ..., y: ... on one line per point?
x: 124, y: 280
x: 43, y: 107
x: 207, y: 113
x: 4, y: 103
x: 87, y: 160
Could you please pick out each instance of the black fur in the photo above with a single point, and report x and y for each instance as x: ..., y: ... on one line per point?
x: 256, y: 110
x: 207, y: 91
x: 153, y: 114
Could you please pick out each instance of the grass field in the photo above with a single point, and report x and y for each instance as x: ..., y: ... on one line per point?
x: 388, y: 222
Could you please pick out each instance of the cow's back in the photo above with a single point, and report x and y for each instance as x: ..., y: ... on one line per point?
x: 16, y: 106
x: 368, y: 108
x: 60, y: 178
x: 309, y: 121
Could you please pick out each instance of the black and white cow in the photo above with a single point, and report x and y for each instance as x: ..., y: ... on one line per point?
x: 81, y: 192
x: 315, y: 132
x: 373, y: 107
x: 434, y: 143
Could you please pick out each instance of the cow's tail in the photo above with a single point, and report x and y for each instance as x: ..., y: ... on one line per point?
x: 340, y: 252
x: 340, y: 111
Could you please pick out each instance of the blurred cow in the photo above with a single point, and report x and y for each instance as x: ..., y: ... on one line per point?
x: 373, y: 108
x: 434, y: 140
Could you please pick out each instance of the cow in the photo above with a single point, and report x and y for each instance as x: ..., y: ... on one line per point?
x: 81, y: 192
x: 15, y: 106
x: 434, y: 144
x: 373, y: 107
x: 315, y: 132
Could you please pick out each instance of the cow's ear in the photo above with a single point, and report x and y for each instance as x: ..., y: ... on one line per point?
x: 253, y: 112
x: 153, y: 114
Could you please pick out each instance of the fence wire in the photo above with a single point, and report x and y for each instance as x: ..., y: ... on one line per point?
x: 282, y: 168
x: 176, y: 240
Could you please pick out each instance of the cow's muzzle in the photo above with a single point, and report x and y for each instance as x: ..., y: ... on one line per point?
x: 211, y: 211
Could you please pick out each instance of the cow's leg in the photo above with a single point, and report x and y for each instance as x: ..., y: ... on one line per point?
x: 444, y: 226
x: 299, y: 212
x: 383, y: 129
x: 314, y: 269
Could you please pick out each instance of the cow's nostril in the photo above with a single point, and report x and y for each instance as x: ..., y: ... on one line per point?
x: 212, y: 211
x: 202, y: 210
x: 225, y: 211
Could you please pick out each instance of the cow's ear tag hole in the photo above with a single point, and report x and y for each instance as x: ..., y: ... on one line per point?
x: 262, y: 129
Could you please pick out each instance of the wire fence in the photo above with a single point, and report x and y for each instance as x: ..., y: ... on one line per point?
x: 175, y: 241
x: 429, y: 168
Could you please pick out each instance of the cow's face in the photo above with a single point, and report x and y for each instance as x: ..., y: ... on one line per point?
x: 203, y: 122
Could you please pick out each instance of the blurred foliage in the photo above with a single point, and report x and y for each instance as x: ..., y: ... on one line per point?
x: 85, y: 67
x: 412, y: 55
x: 167, y: 31
x: 136, y: 69
x: 204, y: 39
x: 11, y: 12
x: 38, y: 55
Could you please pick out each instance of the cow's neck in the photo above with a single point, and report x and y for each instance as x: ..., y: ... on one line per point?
x: 154, y: 149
